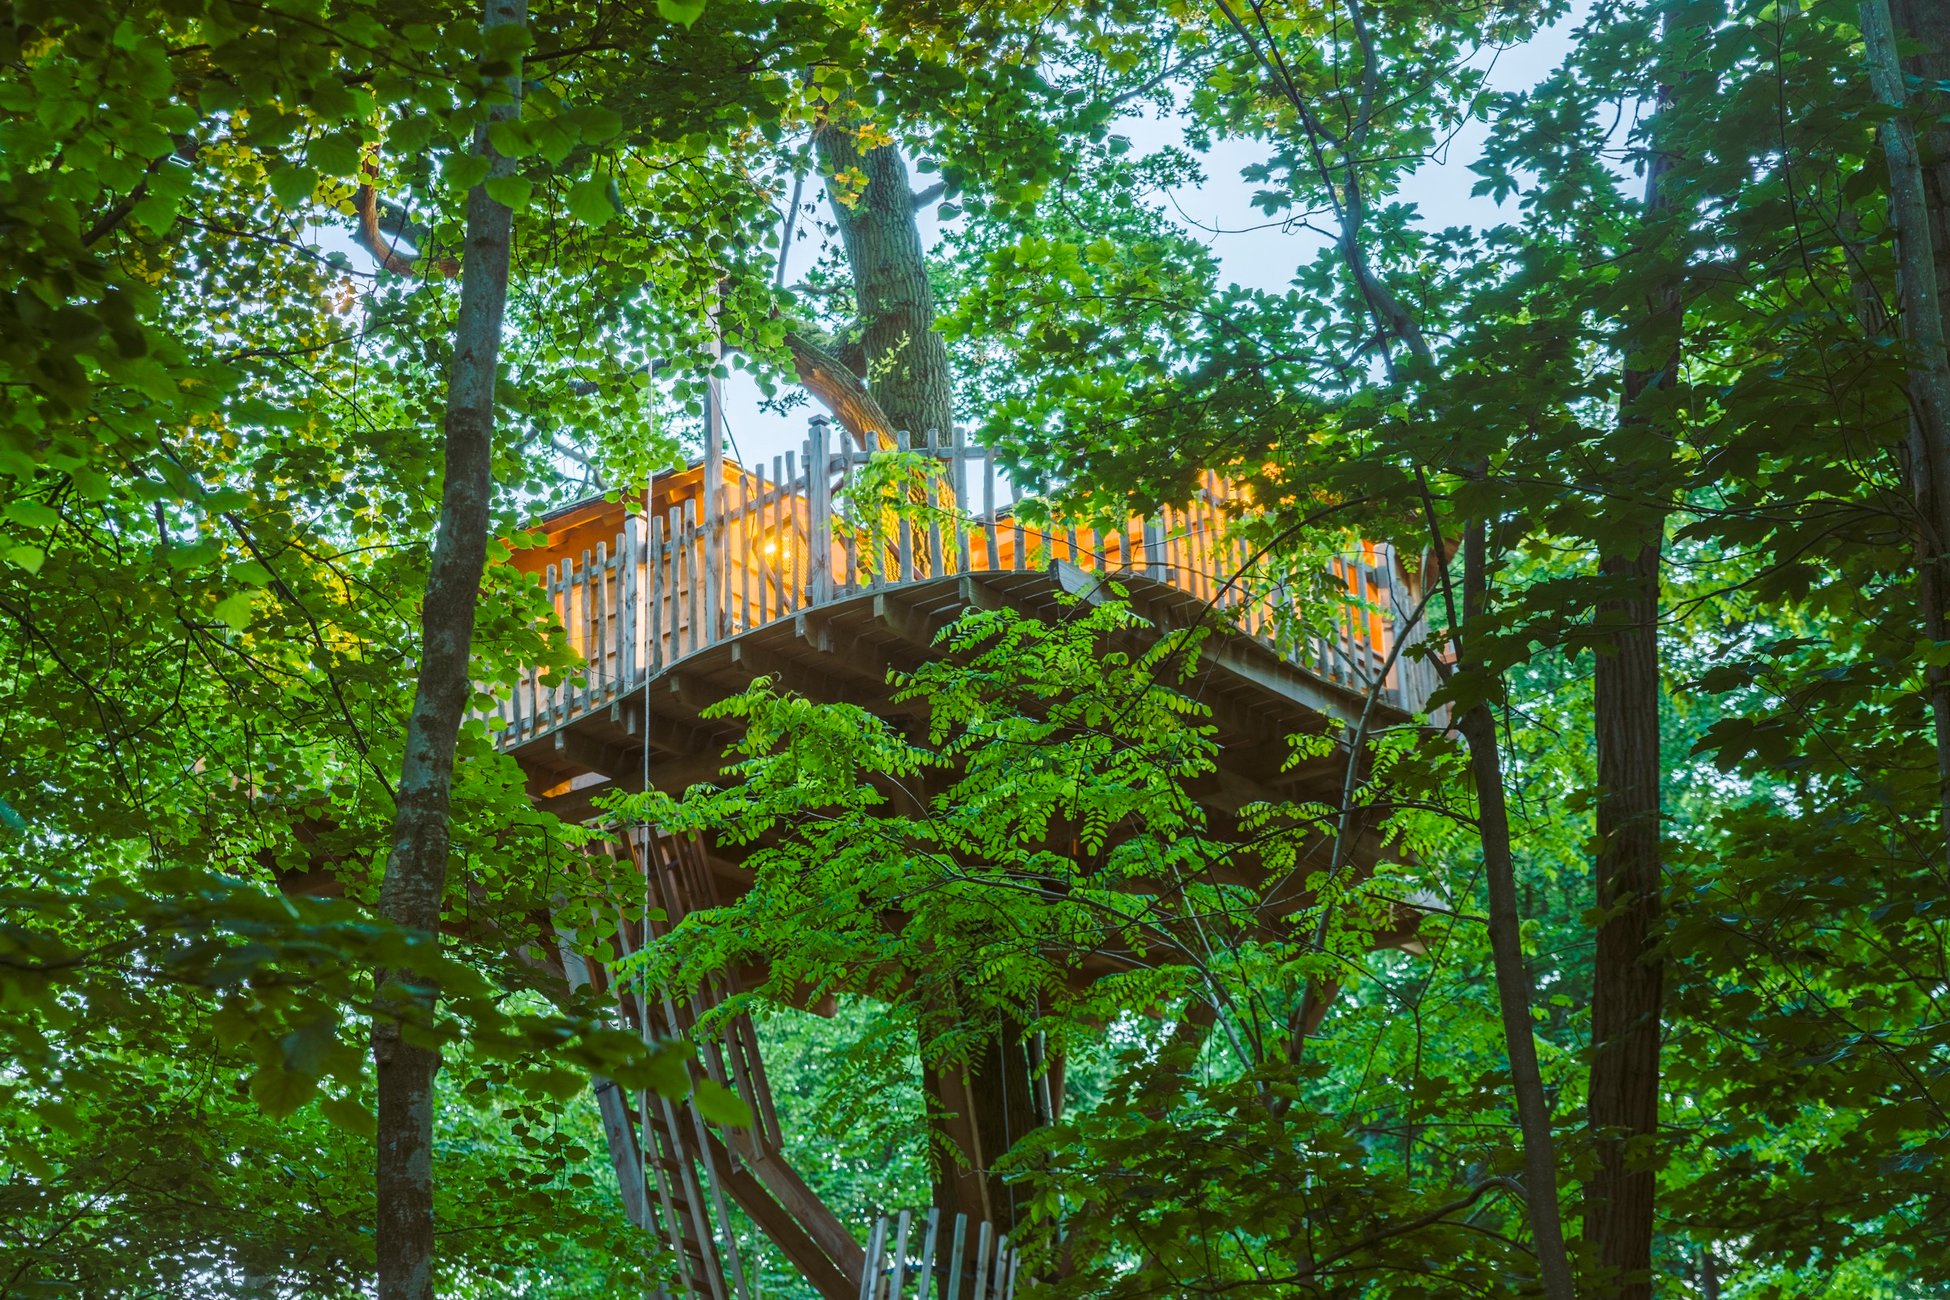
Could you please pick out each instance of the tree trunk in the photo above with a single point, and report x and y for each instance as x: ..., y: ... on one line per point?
x: 416, y: 871
x: 1628, y: 972
x: 1628, y: 975
x: 906, y: 361
x: 1478, y: 728
x: 1919, y: 199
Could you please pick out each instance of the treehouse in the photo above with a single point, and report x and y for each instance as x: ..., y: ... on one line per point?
x: 798, y: 573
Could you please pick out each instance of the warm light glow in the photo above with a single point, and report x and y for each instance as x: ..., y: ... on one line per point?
x: 770, y: 547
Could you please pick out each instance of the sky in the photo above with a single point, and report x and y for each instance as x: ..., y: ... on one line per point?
x: 1219, y: 212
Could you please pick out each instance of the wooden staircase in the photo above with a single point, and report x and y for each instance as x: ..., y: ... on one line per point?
x: 679, y: 1171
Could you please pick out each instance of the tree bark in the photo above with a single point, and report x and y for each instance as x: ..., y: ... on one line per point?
x: 907, y: 367
x: 840, y: 391
x: 1478, y: 728
x: 416, y: 870
x: 1628, y: 974
x: 1919, y: 200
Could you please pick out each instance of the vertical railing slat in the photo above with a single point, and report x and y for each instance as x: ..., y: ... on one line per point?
x: 984, y: 1235
x: 898, y: 1278
x: 819, y: 514
x: 930, y: 1239
x: 955, y: 1256
x: 936, y: 557
x: 656, y: 588
x: 627, y: 593
x: 988, y: 510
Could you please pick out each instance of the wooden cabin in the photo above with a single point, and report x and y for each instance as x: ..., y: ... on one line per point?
x: 822, y: 574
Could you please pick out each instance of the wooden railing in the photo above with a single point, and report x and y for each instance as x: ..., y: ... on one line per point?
x: 773, y: 546
x: 903, y: 1254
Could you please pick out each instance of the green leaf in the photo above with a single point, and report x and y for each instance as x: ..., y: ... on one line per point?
x: 33, y: 514
x: 509, y: 191
x: 720, y: 1105
x: 511, y: 139
x: 681, y: 12
x: 596, y: 124
x: 279, y: 1091
x: 235, y: 610
x: 465, y: 171
x: 347, y: 1113
x: 336, y: 154
x: 292, y: 184
x: 589, y: 201
x: 26, y: 557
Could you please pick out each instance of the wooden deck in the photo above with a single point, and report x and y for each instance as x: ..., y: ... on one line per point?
x: 826, y: 581
x: 724, y: 568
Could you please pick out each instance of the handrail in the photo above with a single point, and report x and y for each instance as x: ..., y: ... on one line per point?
x: 776, y: 547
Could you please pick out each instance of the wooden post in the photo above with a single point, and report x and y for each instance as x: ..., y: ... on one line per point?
x: 958, y: 469
x: 903, y: 565
x: 655, y: 590
x: 870, y: 1275
x: 982, y: 1239
x: 789, y: 531
x: 744, y: 531
x: 993, y: 544
x: 929, y: 1241
x: 631, y: 545
x: 936, y: 558
x: 899, y: 1277
x: 711, y: 503
x: 955, y: 1255
x: 819, y: 512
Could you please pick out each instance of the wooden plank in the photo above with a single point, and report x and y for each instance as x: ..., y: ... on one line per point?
x: 602, y: 685
x: 982, y: 1243
x: 904, y: 524
x: 929, y: 1240
x: 898, y: 1279
x: 558, y: 693
x: 655, y: 589
x: 958, y: 484
x: 744, y: 531
x: 870, y: 1275
x: 988, y: 510
x: 581, y: 632
x: 768, y: 582
x: 694, y: 586
x: 680, y: 584
x: 936, y: 560
x: 819, y: 515
x: 627, y: 595
x: 789, y: 545
x: 856, y: 578
x: 955, y: 1255
x: 715, y: 1186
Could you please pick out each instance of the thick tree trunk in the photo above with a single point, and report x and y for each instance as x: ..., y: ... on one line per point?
x: 1919, y: 199
x: 1478, y: 728
x: 416, y: 871
x: 906, y: 361
x: 1628, y: 973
